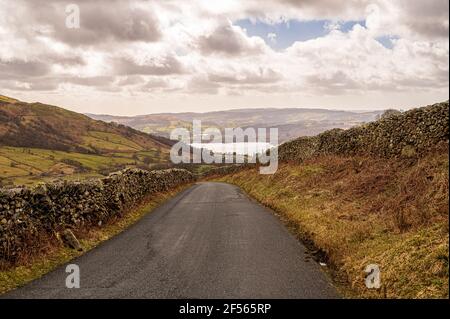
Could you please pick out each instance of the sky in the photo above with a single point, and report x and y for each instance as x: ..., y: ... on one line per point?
x: 132, y: 57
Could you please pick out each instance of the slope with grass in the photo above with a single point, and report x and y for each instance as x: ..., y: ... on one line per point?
x: 40, y: 142
x: 358, y: 211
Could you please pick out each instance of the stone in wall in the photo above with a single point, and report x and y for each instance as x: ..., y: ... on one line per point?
x: 27, y: 213
x: 409, y: 134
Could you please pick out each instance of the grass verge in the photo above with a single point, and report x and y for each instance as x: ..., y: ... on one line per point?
x: 361, y: 211
x: 56, y: 254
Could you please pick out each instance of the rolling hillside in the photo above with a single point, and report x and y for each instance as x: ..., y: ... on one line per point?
x: 291, y: 122
x: 40, y: 142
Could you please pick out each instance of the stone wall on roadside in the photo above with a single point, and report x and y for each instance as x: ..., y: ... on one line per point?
x: 27, y: 213
x: 409, y: 134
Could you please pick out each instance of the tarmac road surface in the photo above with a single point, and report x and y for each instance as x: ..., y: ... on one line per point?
x: 209, y: 241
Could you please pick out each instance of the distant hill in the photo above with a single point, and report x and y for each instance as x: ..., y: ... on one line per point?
x: 291, y: 122
x: 39, y: 141
x: 51, y: 127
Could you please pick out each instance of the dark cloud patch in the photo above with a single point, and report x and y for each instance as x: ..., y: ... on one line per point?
x: 339, y: 83
x: 63, y: 59
x: 439, y: 80
x: 229, y: 40
x: 200, y: 84
x: 22, y: 69
x: 50, y: 83
x: 168, y: 65
x: 130, y: 80
x: 32, y: 85
x: 100, y: 21
x: 335, y: 83
x: 100, y: 83
x: 43, y: 86
x: 321, y: 9
x: 104, y: 23
x: 96, y: 81
x: 427, y: 18
x: 154, y: 85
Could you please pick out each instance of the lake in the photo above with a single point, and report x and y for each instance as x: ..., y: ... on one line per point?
x: 238, y: 148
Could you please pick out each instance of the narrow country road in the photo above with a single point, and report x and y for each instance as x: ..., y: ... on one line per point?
x: 209, y: 241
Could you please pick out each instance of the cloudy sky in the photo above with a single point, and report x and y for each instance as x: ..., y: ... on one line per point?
x: 145, y: 56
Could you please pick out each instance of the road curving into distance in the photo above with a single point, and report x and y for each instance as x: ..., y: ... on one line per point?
x: 209, y: 241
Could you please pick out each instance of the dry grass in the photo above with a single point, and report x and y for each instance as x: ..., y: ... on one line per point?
x: 359, y: 211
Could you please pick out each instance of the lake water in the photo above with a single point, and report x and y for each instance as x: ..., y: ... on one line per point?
x: 238, y: 148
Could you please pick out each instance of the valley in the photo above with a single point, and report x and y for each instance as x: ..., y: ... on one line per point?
x: 41, y: 143
x: 291, y: 122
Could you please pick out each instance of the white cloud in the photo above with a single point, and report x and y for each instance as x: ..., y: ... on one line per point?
x: 272, y: 37
x: 187, y: 50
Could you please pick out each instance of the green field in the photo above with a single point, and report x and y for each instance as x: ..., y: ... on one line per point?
x: 110, y: 142
x: 40, y: 143
x: 29, y: 166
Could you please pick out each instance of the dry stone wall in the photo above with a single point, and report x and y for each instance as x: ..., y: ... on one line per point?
x: 409, y: 134
x: 225, y: 170
x: 26, y: 213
